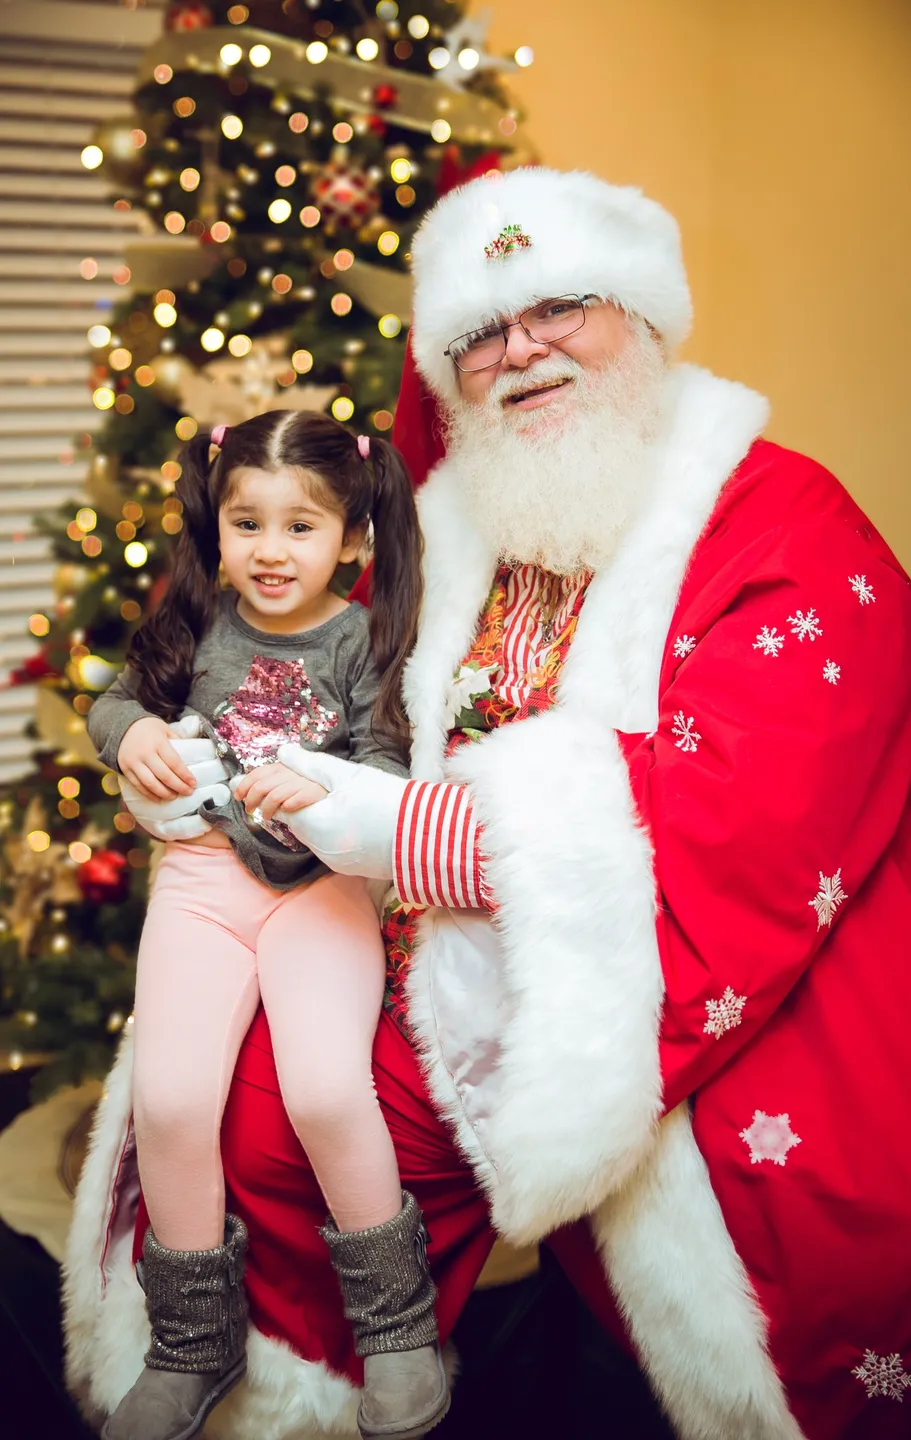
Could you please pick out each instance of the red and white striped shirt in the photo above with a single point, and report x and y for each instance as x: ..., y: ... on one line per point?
x: 438, y: 854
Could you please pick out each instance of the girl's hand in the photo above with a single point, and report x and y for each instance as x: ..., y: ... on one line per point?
x: 151, y: 764
x: 274, y: 787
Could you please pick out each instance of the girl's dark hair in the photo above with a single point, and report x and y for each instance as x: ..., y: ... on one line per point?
x: 377, y: 489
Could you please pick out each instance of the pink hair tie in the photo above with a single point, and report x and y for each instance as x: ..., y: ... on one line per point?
x: 363, y: 445
x: 218, y: 435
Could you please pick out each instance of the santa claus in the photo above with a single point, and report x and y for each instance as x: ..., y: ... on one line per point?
x: 649, y: 984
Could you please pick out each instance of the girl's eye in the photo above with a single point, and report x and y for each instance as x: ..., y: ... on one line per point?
x: 247, y: 525
x: 300, y: 528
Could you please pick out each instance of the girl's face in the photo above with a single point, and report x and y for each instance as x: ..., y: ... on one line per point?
x: 280, y: 547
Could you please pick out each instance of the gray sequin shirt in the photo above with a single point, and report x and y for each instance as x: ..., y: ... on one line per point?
x: 256, y: 691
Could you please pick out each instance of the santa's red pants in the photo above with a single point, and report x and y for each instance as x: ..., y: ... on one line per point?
x: 293, y: 1293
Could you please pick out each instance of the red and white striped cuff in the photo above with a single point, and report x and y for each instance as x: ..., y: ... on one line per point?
x: 437, y: 858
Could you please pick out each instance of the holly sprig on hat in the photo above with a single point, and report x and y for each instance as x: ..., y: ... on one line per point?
x: 510, y: 239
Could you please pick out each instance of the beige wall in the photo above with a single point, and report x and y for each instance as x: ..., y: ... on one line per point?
x: 779, y: 133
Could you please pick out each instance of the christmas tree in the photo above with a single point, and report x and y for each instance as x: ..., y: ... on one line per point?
x: 283, y: 155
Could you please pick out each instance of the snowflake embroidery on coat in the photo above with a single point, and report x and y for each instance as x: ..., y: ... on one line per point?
x: 862, y: 589
x: 684, y: 645
x: 768, y: 641
x: 769, y: 1137
x: 831, y: 672
x: 689, y: 738
x: 883, y: 1375
x: 827, y: 901
x: 724, y: 1014
x: 804, y: 626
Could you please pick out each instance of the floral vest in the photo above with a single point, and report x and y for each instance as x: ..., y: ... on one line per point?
x: 480, y: 712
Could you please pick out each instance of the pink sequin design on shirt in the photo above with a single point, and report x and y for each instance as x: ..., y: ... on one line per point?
x: 275, y: 705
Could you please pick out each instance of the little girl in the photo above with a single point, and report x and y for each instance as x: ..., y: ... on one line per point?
x: 246, y: 914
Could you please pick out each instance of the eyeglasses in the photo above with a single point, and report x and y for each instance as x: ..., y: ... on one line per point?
x: 544, y: 323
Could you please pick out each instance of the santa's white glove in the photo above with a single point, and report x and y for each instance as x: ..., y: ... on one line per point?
x: 178, y: 819
x: 353, y: 829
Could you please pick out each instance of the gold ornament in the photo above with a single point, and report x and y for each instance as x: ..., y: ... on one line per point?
x: 37, y: 878
x: 170, y: 373
x: 102, y: 489
x: 68, y: 578
x: 122, y: 163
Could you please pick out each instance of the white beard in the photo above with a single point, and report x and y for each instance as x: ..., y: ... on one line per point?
x: 557, y: 486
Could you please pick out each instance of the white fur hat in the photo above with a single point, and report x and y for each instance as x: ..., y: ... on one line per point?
x: 578, y: 236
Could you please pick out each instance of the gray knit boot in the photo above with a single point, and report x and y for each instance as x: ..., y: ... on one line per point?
x: 388, y: 1296
x: 198, y: 1312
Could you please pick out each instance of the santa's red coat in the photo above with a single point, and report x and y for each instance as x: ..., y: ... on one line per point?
x: 774, y: 789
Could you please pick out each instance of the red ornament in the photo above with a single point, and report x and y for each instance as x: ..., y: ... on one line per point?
x: 36, y: 667
x: 377, y: 124
x: 189, y: 15
x: 386, y: 96
x: 346, y: 195
x: 104, y: 878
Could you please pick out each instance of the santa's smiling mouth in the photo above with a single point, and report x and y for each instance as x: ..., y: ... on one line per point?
x: 540, y: 395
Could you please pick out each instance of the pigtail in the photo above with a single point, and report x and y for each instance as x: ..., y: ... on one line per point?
x: 163, y: 649
x: 397, y: 584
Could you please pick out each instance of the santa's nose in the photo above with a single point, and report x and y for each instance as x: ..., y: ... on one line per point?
x: 521, y: 349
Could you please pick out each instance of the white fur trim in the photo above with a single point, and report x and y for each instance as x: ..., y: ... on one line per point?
x: 689, y: 1303
x: 571, y: 869
x: 282, y: 1398
x: 586, y: 237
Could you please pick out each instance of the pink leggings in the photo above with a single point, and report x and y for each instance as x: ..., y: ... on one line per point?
x: 215, y: 942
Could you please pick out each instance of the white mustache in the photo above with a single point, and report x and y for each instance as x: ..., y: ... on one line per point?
x: 547, y: 371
